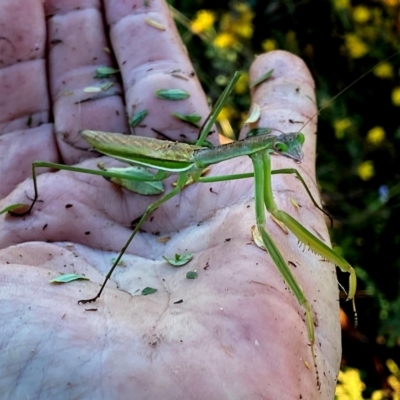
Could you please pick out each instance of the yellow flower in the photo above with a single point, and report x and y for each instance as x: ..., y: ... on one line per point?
x: 366, y: 170
x: 378, y: 395
x: 269, y: 45
x: 384, y: 70
x: 242, y: 85
x: 392, y: 366
x: 355, y: 46
x: 227, y: 112
x: 238, y: 23
x: 341, y: 4
x: 394, y: 383
x: 340, y: 127
x: 224, y: 40
x: 391, y: 3
x: 244, y: 29
x: 396, y: 96
x: 203, y: 21
x: 244, y: 10
x: 361, y: 14
x: 376, y: 135
x: 349, y: 385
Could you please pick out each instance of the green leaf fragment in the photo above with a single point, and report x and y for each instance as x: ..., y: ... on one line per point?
x: 137, y: 118
x: 68, y: 278
x: 192, y: 275
x: 107, y: 86
x: 254, y: 114
x: 172, y: 94
x: 134, y: 180
x: 105, y: 72
x: 262, y: 78
x: 259, y: 131
x: 18, y: 208
x: 179, y: 259
x: 191, y: 119
x: 121, y: 263
x: 257, y: 238
x: 148, y: 290
x: 29, y: 121
x: 92, y: 89
x: 143, y: 188
x: 155, y: 24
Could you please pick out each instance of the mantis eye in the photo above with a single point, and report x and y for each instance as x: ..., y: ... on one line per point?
x: 300, y: 137
x: 280, y: 147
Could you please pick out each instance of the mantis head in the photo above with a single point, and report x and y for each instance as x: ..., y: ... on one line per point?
x: 290, y: 145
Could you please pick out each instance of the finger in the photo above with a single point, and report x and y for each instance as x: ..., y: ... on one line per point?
x: 78, y: 46
x: 151, y: 56
x: 286, y: 99
x: 288, y: 104
x: 26, y: 134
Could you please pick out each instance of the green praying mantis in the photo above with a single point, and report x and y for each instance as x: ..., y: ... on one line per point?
x: 188, y: 162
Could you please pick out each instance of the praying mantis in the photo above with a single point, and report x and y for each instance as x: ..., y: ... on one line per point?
x: 188, y: 162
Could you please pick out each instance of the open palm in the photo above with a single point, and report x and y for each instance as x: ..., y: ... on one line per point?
x: 235, y: 332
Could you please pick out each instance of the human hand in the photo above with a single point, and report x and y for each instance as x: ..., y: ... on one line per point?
x: 239, y: 333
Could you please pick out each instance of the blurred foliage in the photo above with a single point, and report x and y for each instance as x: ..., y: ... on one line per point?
x: 359, y: 140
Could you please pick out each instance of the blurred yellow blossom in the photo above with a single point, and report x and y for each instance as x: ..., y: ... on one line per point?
x: 340, y: 125
x: 376, y: 135
x: 355, y: 46
x: 394, y: 383
x: 224, y: 40
x: 361, y: 14
x: 366, y: 170
x: 245, y: 11
x: 242, y: 85
x: 384, y: 70
x: 380, y: 395
x: 238, y: 22
x: 244, y: 29
x: 269, y: 44
x: 396, y: 96
x: 341, y: 4
x: 391, y: 3
x: 349, y: 385
x: 243, y: 25
x: 203, y: 21
x: 227, y: 112
x: 392, y: 367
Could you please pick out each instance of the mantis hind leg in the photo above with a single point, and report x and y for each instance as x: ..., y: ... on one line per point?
x: 305, y: 236
x: 20, y: 210
x: 152, y: 207
x: 260, y: 182
x: 300, y: 178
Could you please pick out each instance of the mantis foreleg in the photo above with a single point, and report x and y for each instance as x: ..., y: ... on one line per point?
x: 260, y: 182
